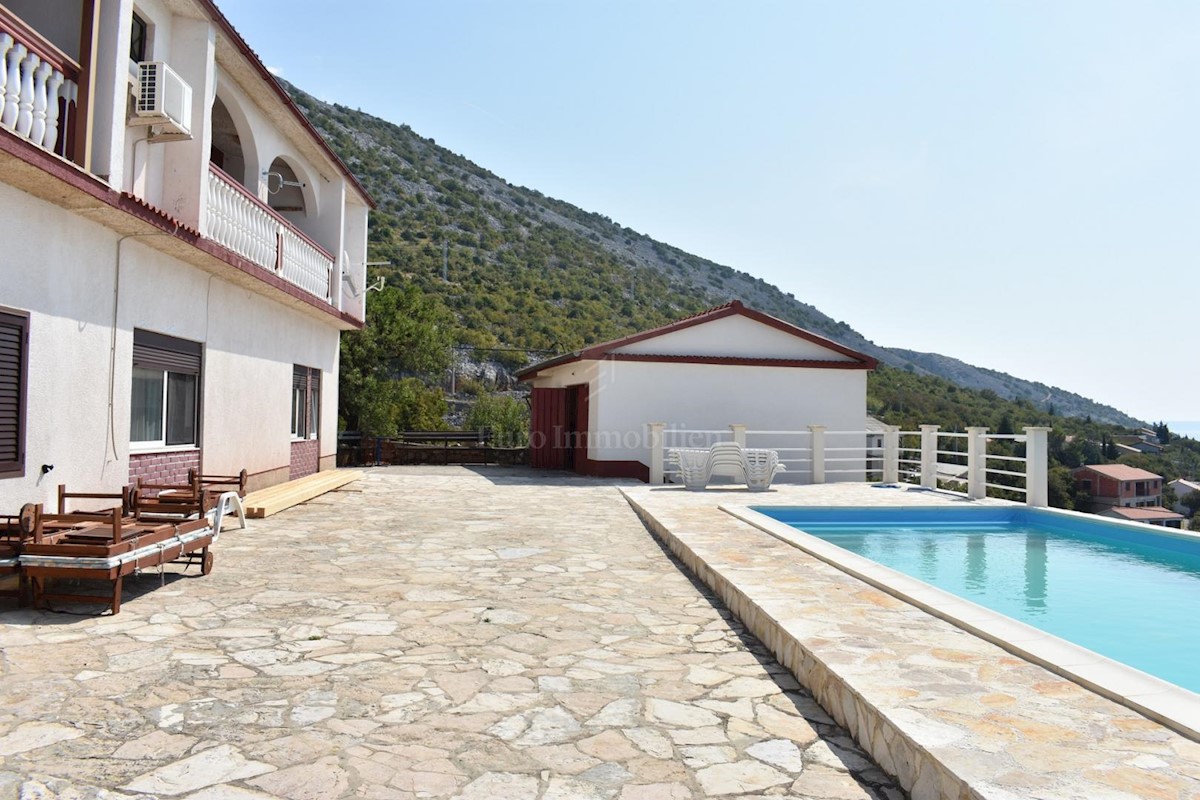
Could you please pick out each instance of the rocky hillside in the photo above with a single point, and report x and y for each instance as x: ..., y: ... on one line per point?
x: 526, y: 275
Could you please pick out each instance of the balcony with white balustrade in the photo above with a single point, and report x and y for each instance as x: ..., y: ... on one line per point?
x: 40, y: 95
x: 241, y: 222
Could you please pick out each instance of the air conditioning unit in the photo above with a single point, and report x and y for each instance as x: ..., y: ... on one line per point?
x: 164, y: 101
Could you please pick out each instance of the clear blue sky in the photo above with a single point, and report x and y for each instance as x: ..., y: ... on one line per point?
x: 1016, y: 184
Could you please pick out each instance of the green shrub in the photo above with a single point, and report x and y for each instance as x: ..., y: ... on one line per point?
x: 506, y: 417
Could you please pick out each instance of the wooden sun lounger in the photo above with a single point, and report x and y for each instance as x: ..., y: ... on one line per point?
x: 220, y: 483
x: 12, y: 537
x: 106, y: 546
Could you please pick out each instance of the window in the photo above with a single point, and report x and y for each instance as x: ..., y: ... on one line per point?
x: 165, y: 401
x: 138, y: 37
x: 14, y: 371
x: 306, y: 402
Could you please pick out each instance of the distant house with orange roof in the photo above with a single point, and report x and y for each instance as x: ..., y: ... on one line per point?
x: 1119, y: 485
x: 1151, y: 515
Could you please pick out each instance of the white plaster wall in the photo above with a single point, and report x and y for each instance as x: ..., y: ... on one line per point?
x: 354, y: 260
x: 112, y: 92
x: 184, y: 179
x: 251, y: 349
x: 628, y: 395
x: 734, y: 335
x: 60, y: 268
x: 141, y: 163
x: 571, y: 374
x: 62, y: 271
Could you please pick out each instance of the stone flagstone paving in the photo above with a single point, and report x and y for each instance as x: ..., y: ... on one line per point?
x: 431, y: 633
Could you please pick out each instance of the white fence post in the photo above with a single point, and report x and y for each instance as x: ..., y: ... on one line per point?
x: 1037, y: 471
x: 739, y: 433
x: 976, y: 463
x: 656, y: 452
x: 929, y: 446
x: 818, y: 453
x: 891, y: 454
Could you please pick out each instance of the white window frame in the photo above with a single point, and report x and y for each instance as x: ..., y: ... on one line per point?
x: 310, y: 414
x: 160, y: 445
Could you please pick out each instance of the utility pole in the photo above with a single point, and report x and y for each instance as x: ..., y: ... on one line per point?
x: 445, y: 261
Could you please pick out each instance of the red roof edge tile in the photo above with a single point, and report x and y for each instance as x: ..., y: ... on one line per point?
x: 734, y: 307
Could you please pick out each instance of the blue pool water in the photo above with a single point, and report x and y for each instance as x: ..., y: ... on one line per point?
x: 1129, y: 595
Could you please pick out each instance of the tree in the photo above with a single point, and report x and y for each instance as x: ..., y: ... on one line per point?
x: 1163, y: 433
x: 1110, y: 448
x: 506, y: 417
x: 1060, y: 486
x: 1192, y: 501
x: 407, y: 334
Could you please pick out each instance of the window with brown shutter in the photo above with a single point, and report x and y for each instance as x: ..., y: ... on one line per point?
x: 14, y: 372
x: 165, y: 399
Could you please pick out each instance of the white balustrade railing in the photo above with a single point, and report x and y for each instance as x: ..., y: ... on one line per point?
x: 304, y: 264
x: 38, y: 94
x: 930, y: 457
x: 241, y: 222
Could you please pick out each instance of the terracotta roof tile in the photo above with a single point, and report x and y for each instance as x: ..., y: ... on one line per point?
x: 158, y: 212
x: 1143, y: 513
x: 1121, y: 472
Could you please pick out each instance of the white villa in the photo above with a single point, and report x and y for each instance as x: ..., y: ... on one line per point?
x: 181, y: 253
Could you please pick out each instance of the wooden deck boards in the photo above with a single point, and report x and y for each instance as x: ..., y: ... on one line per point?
x: 274, y: 499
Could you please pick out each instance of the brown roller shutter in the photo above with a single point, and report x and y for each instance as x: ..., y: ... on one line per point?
x: 158, y: 351
x: 14, y: 361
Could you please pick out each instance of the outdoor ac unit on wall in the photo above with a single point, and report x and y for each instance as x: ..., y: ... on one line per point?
x: 164, y: 101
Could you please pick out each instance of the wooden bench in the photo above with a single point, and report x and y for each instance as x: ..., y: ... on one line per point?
x: 266, y: 502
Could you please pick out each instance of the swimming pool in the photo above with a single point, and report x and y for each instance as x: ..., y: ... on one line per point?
x: 1128, y: 592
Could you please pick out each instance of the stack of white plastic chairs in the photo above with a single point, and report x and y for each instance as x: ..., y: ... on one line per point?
x: 728, y: 460
x: 692, y: 465
x: 761, y: 468
x: 696, y: 468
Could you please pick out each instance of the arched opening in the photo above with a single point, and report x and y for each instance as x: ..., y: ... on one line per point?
x: 285, y: 191
x: 291, y: 193
x: 226, y: 151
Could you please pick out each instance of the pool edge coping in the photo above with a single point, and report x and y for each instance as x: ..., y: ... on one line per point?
x: 1158, y: 700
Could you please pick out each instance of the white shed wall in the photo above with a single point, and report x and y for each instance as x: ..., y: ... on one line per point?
x: 628, y: 395
x: 734, y: 335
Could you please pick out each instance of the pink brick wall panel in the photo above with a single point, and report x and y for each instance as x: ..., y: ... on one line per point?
x: 168, y: 468
x: 305, y: 458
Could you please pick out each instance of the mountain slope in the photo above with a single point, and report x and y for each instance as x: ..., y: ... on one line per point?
x: 524, y: 271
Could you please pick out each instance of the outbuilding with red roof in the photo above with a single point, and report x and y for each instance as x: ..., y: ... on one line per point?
x: 729, y: 364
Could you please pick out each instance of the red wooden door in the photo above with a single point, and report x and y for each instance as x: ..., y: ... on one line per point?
x: 547, y: 429
x: 558, y: 429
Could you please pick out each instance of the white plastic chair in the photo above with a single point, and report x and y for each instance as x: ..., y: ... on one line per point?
x: 761, y: 468
x: 728, y: 460
x: 227, y: 503
x: 692, y: 465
